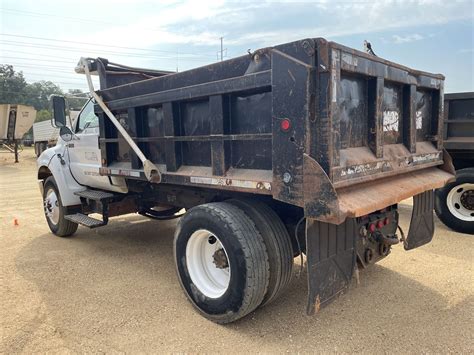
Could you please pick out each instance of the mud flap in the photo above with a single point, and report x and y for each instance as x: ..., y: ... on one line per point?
x: 422, y: 223
x: 331, y: 260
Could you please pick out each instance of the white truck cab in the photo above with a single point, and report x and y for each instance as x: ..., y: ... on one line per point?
x: 75, y: 160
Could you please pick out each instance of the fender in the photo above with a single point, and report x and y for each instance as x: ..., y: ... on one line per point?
x: 64, y: 180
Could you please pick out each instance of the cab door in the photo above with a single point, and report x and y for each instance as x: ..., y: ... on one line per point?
x: 85, y: 155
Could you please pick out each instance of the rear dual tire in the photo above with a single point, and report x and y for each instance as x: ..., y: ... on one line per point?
x: 277, y: 242
x: 246, y: 264
x: 232, y: 257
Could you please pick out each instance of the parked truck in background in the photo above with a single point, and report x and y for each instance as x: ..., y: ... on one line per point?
x: 45, y: 135
x: 302, y: 148
x: 455, y: 202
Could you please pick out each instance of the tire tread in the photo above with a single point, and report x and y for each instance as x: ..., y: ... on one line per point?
x: 255, y: 254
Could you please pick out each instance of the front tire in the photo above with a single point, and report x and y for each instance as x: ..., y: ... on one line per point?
x: 221, y: 260
x: 54, y: 210
x: 454, y: 203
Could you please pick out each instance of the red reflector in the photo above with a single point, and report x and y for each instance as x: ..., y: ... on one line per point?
x: 386, y: 221
x: 285, y: 124
x: 380, y: 224
x: 372, y: 228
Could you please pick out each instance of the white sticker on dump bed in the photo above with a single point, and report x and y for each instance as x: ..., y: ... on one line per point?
x: 390, y: 121
x: 426, y: 157
x: 363, y: 168
x: 419, y: 119
x: 246, y: 184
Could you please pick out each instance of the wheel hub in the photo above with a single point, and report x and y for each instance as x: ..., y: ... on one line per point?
x: 460, y: 202
x: 220, y: 259
x: 51, y: 206
x: 208, y: 263
x: 467, y: 199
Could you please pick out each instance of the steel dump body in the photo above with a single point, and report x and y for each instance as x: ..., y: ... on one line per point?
x: 459, y: 128
x: 312, y: 123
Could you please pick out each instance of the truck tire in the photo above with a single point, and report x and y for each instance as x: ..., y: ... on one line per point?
x: 277, y: 242
x: 54, y: 210
x: 221, y: 261
x: 454, y: 203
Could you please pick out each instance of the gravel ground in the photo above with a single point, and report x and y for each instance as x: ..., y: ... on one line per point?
x: 114, y: 289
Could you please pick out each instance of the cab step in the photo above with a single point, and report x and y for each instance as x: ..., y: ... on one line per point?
x: 85, y: 220
x: 97, y: 195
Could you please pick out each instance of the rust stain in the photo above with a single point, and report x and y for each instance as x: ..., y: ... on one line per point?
x: 317, y: 304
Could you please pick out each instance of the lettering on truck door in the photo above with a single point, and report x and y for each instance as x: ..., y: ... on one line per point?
x: 84, y: 153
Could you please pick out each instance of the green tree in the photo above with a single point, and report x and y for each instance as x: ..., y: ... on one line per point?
x: 15, y: 90
x: 76, y: 99
x: 38, y: 94
x: 43, y: 115
x: 12, y: 86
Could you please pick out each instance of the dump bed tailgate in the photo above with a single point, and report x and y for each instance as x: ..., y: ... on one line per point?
x: 386, y: 118
x: 385, y: 138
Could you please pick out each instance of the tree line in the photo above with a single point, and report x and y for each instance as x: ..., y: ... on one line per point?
x: 15, y: 90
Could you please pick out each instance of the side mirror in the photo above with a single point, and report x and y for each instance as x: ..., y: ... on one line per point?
x: 59, y: 110
x: 65, y: 133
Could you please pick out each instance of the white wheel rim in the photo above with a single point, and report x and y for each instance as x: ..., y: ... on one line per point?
x: 51, y: 206
x: 460, y: 202
x: 208, y: 264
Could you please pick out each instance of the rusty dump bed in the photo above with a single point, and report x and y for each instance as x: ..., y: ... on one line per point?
x: 311, y: 123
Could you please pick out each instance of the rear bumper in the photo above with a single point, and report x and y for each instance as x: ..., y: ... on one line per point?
x: 365, y: 198
x: 325, y: 203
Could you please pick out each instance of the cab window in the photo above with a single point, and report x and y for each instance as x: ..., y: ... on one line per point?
x: 87, y: 118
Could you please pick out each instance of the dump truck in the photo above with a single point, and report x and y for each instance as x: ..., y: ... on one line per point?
x: 454, y: 203
x: 15, y: 121
x: 301, y: 149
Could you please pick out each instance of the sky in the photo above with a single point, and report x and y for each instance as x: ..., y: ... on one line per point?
x: 45, y: 39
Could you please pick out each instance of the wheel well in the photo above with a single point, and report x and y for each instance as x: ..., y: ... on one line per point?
x: 44, y: 173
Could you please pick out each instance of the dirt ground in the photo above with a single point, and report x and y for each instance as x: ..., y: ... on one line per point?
x: 114, y: 289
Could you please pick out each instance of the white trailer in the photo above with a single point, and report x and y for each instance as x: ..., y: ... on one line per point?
x: 15, y: 121
x: 45, y: 135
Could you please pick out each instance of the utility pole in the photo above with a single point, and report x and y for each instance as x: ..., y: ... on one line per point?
x: 222, y: 50
x: 177, y: 60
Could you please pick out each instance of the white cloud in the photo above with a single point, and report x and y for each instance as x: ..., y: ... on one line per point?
x: 408, y: 38
x: 202, y: 23
x: 190, y: 29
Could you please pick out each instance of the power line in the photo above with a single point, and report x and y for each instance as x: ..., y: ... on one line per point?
x: 89, y: 20
x: 97, y: 44
x: 46, y: 66
x: 41, y: 55
x: 66, y: 94
x: 57, y: 76
x: 40, y: 60
x: 36, y: 14
x: 82, y: 50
